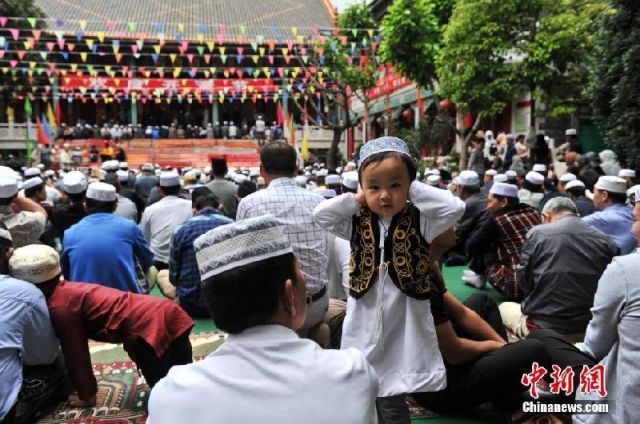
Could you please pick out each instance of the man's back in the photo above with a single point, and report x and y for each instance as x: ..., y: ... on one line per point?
x: 615, y: 221
x: 268, y: 374
x: 585, y: 206
x: 144, y: 184
x: 564, y: 262
x: 227, y: 193
x: 160, y: 220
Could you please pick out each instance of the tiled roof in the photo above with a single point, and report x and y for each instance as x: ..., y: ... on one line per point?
x: 259, y: 17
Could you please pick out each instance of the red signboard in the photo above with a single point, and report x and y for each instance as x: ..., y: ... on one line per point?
x: 388, y: 85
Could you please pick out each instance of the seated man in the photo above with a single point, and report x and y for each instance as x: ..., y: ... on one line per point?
x: 532, y: 192
x: 613, y: 217
x: 575, y: 190
x: 26, y: 226
x: 33, y: 373
x: 154, y: 331
x: 254, y: 289
x: 495, y: 247
x: 183, y: 268
x: 560, y: 265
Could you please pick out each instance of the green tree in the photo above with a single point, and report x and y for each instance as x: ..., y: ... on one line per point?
x: 20, y: 8
x: 616, y: 88
x: 347, y: 65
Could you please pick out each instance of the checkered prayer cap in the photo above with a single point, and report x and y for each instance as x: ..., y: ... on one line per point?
x: 384, y: 144
x: 238, y: 244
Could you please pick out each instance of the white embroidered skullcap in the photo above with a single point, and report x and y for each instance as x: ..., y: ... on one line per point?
x: 111, y: 165
x: 322, y: 172
x: 122, y: 175
x: 500, y: 178
x: 506, y: 190
x: 8, y: 186
x: 511, y: 174
x: 433, y: 179
x: 633, y: 190
x: 49, y: 173
x: 539, y: 167
x: 32, y: 182
x: 35, y: 263
x: 350, y: 180
x: 468, y: 178
x: 627, y: 173
x: 146, y: 167
x: 333, y: 179
x: 491, y: 172
x: 240, y: 178
x: 301, y: 180
x: 102, y: 192
x: 123, y: 165
x: 169, y: 179
x: 570, y: 131
x: 74, y: 182
x: 31, y: 172
x: 240, y: 243
x: 384, y: 144
x: 574, y: 183
x: 431, y: 172
x: 612, y: 184
x: 327, y: 193
x: 534, y: 178
x: 565, y: 178
x: 254, y: 172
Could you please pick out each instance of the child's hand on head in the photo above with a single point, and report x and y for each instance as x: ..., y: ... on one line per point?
x: 360, y: 199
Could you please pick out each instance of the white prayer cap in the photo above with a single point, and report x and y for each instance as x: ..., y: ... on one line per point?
x: 123, y: 165
x: 35, y: 263
x: 157, y: 172
x: 122, y: 175
x: 611, y: 184
x: 49, y: 173
x: 433, y: 180
x: 511, y: 175
x: 169, y: 179
x: 240, y: 243
x: 570, y: 131
x: 534, y: 178
x: 506, y: 190
x: 634, y: 190
x: 207, y: 170
x: 110, y: 165
x: 574, y: 183
x: 468, y: 178
x: 431, y: 172
x: 8, y: 186
x: 74, y: 182
x: 539, y: 167
x: 102, y: 174
x: 627, y: 173
x: 254, y: 172
x: 301, y: 180
x: 350, y: 180
x: 500, y: 178
x: 384, y: 144
x: 322, y: 173
x: 32, y: 182
x: 146, y: 167
x: 491, y: 172
x: 240, y: 178
x: 327, y: 193
x: 102, y: 192
x: 41, y: 166
x: 565, y: 178
x: 333, y: 179
x: 31, y: 172
x: 190, y: 176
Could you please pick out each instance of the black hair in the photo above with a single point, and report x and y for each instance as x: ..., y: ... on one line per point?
x: 246, y: 188
x: 511, y: 201
x: 617, y: 197
x: 470, y: 189
x: 219, y: 167
x: 534, y: 188
x: 520, y: 137
x: 31, y: 192
x: 198, y: 192
x: 279, y: 158
x: 206, y: 201
x: 77, y: 197
x: 6, y: 201
x: 379, y: 157
x: 171, y: 190
x: 577, y: 191
x: 248, y: 295
x: 4, y: 243
x: 95, y: 206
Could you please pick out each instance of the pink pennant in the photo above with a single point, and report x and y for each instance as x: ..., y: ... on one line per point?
x: 61, y: 43
x: 239, y: 73
x: 134, y: 48
x: 13, y: 63
x: 36, y: 34
x: 125, y: 69
x: 272, y: 45
x: 48, y: 72
x: 118, y: 57
x: 50, y: 45
x: 111, y: 24
x: 287, y: 59
x: 3, y: 20
x: 220, y: 38
x: 281, y: 72
x: 207, y: 58
x: 71, y: 46
x: 290, y: 45
x: 190, y: 57
x: 15, y: 33
x: 20, y: 54
x: 271, y: 58
x: 240, y: 50
x: 1, y: 54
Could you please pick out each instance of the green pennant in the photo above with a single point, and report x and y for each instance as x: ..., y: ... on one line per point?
x: 44, y: 55
x: 27, y: 107
x: 200, y: 50
x: 354, y: 32
x: 254, y: 46
x: 32, y: 22
x: 243, y: 29
x: 132, y: 26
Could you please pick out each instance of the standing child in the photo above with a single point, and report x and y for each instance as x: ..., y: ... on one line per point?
x: 392, y: 222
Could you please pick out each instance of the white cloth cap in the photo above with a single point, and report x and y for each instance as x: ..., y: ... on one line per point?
x: 123, y: 165
x: 634, y: 190
x: 102, y: 192
x: 327, y: 193
x: 511, y: 174
x: 433, y: 179
x: 570, y: 131
x: 565, y: 178
x: 254, y: 172
x: 8, y: 186
x: 122, y: 175
x: 190, y: 176
x: 612, y: 184
x: 49, y: 173
x: 500, y: 178
x: 240, y: 243
x: 503, y: 189
x: 469, y: 178
x: 322, y: 173
x: 240, y: 178
x: 574, y: 183
x: 74, y: 182
x: 539, y: 167
x: 169, y: 179
x: 32, y: 182
x: 627, y: 173
x: 111, y: 165
x: 301, y: 180
x: 146, y: 167
x: 35, y: 263
x: 350, y: 180
x: 534, y: 178
x: 491, y: 172
x: 31, y: 172
x: 333, y: 179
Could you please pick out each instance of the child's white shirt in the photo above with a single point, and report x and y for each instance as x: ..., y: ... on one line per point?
x: 394, y: 331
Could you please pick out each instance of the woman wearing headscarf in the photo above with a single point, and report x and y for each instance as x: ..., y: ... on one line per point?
x: 609, y: 164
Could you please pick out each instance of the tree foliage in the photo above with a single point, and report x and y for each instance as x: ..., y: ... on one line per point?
x: 616, y: 88
x: 20, y: 8
x: 494, y: 49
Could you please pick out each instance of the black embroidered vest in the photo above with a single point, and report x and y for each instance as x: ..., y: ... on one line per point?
x: 406, y: 253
